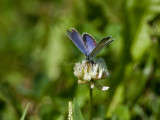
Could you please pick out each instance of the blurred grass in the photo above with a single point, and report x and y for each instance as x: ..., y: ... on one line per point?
x: 25, y: 112
x: 37, y: 58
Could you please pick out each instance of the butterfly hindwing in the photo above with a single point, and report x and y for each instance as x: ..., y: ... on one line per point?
x: 104, y: 42
x: 89, y: 41
x: 77, y: 40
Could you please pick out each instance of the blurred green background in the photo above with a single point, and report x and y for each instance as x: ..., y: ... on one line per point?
x: 37, y: 58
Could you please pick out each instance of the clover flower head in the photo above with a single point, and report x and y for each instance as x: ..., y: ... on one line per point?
x: 89, y: 70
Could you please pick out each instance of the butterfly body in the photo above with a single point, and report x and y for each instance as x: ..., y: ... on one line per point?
x: 87, y: 44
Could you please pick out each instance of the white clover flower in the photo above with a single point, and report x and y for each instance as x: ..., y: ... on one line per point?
x: 88, y: 70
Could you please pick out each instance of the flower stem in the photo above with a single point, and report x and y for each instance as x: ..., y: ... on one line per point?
x: 90, y: 103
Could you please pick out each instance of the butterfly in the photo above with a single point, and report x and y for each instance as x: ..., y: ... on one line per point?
x: 87, y: 44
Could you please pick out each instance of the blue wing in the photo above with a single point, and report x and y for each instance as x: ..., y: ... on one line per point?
x: 89, y: 41
x: 104, y: 42
x: 78, y: 40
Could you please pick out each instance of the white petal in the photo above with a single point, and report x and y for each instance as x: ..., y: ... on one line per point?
x: 104, y: 88
x: 92, y: 85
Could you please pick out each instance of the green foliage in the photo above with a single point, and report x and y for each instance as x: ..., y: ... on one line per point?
x: 121, y: 113
x: 77, y: 115
x: 37, y: 58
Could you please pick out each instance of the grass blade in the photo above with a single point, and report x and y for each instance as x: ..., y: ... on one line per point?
x: 25, y: 111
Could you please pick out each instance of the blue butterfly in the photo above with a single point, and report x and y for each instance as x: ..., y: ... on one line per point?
x: 87, y: 44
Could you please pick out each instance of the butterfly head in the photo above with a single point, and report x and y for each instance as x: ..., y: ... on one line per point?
x: 87, y: 58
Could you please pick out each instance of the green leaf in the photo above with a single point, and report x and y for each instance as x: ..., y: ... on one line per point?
x: 141, y: 42
x: 77, y: 115
x: 121, y: 113
x: 117, y: 99
x: 24, y: 113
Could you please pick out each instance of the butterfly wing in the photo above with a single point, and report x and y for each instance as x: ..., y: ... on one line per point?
x: 89, y: 41
x: 104, y: 42
x: 77, y: 40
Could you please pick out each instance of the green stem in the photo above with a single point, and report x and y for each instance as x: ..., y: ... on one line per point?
x: 90, y: 103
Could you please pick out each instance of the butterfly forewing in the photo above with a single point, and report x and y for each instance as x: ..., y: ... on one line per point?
x: 104, y: 42
x: 77, y: 40
x: 89, y: 41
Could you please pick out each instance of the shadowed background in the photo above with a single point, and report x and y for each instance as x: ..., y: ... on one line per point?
x: 37, y: 58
